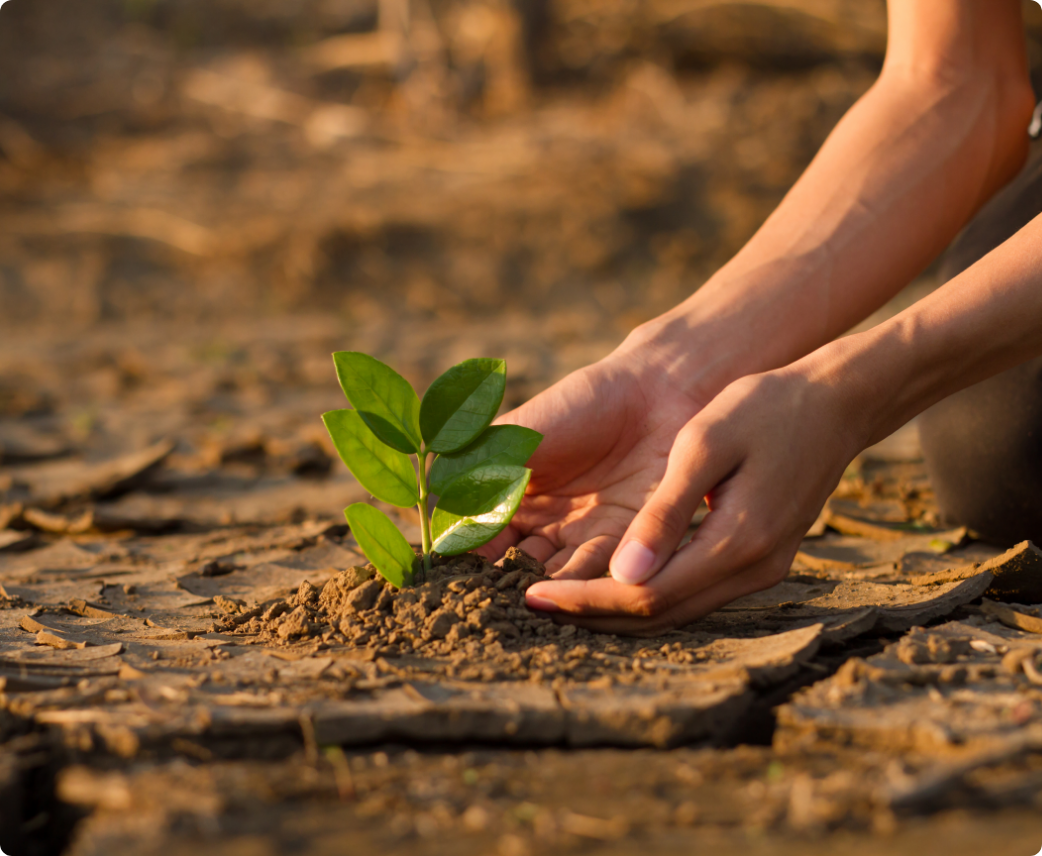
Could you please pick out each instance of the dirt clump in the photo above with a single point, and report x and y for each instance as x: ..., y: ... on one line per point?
x: 467, y: 620
x: 463, y: 598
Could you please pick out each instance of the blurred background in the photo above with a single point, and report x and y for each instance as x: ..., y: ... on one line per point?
x: 200, y: 199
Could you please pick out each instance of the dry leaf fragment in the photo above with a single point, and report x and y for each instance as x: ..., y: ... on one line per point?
x: 87, y: 610
x: 44, y: 637
x: 47, y: 521
x: 129, y: 673
x: 11, y: 541
x: 51, y: 631
x: 1012, y: 618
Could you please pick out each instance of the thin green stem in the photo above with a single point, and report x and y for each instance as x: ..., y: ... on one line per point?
x: 425, y: 522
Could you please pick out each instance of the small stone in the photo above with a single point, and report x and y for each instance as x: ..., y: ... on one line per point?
x: 457, y: 633
x: 294, y: 624
x: 1013, y: 662
x: 441, y: 622
x: 509, y: 580
x: 385, y: 600
x: 218, y: 568
x: 307, y: 594
x: 335, y: 591
x: 519, y: 560
x: 274, y: 611
x: 228, y: 605
x: 363, y: 597
x: 505, y: 628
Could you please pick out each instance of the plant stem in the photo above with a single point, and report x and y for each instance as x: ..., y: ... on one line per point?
x: 425, y: 522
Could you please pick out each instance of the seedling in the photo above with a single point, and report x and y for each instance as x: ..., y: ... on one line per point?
x: 477, y: 471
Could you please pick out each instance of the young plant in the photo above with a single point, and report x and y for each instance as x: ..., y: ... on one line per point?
x: 477, y: 471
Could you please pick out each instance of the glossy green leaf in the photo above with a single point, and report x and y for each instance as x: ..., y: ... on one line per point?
x: 498, y: 445
x: 461, y: 403
x: 383, y: 398
x: 476, y: 506
x: 382, y: 544
x: 385, y: 472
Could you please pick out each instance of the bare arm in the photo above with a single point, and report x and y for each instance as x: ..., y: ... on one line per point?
x: 942, y: 129
x: 987, y: 319
x: 771, y: 447
x: 737, y: 394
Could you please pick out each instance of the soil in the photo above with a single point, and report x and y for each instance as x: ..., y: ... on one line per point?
x: 463, y: 606
x: 467, y: 621
x: 199, y: 201
x: 211, y: 687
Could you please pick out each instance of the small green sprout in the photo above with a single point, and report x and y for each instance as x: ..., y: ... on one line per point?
x: 477, y: 472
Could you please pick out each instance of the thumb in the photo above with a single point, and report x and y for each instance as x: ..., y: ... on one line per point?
x: 695, y: 467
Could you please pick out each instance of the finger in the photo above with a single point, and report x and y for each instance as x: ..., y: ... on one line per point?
x: 695, y: 467
x: 558, y: 560
x: 494, y: 549
x: 605, y: 605
x: 753, y: 579
x: 539, y: 548
x: 721, y: 549
x: 601, y: 596
x: 589, y: 560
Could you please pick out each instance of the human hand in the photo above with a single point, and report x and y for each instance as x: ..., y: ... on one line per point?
x: 608, y: 433
x: 767, y: 452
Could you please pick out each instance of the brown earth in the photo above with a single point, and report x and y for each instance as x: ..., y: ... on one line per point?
x: 198, y: 202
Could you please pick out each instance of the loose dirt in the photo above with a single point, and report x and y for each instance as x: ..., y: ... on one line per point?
x: 468, y: 621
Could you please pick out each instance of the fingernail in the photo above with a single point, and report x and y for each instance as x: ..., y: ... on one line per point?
x: 632, y: 564
x: 543, y: 604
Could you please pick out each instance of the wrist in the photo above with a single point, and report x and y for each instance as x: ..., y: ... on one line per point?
x: 870, y: 382
x: 683, y: 351
x: 698, y: 347
x: 735, y: 325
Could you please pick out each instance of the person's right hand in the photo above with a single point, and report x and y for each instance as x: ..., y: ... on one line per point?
x: 608, y: 429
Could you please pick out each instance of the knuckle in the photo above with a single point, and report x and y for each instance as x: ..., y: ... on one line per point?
x: 715, y: 436
x: 667, y: 517
x: 759, y: 543
x: 690, y: 441
x: 650, y: 603
x: 771, y: 574
x: 753, y: 543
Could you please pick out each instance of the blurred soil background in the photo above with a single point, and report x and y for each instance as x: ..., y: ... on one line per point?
x: 201, y: 199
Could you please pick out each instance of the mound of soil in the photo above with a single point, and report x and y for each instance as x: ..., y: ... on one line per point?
x: 464, y: 598
x: 467, y: 620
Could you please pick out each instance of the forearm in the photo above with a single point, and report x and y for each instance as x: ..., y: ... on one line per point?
x: 896, y: 180
x: 984, y: 321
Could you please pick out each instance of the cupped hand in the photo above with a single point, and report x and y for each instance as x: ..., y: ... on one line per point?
x: 608, y: 431
x: 766, y: 452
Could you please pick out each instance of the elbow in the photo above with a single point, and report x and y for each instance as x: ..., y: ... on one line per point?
x: 989, y: 109
x: 1014, y: 107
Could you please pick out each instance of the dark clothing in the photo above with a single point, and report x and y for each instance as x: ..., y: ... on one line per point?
x: 983, y: 445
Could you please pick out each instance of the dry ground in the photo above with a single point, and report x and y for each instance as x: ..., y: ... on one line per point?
x: 198, y: 203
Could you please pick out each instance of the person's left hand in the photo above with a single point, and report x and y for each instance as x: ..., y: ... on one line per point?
x: 766, y: 452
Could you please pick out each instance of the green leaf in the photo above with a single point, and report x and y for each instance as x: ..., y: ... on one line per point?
x: 383, y: 398
x: 461, y: 403
x: 476, y: 507
x: 382, y: 543
x: 499, y: 445
x: 385, y: 472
